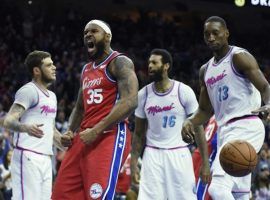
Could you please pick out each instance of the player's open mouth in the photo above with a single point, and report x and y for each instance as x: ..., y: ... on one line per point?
x: 90, y: 46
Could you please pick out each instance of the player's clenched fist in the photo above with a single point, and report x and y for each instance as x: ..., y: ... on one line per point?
x: 66, y: 139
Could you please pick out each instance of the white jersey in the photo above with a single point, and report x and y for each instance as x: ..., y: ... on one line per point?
x: 40, y: 108
x: 165, y: 113
x: 231, y: 94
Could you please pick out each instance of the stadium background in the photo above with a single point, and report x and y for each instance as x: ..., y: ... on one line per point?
x: 137, y: 27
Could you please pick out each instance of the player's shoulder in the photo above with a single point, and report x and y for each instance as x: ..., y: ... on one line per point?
x: 122, y: 59
x: 27, y: 87
x: 51, y: 93
x: 183, y: 86
x: 144, y: 89
x: 239, y: 52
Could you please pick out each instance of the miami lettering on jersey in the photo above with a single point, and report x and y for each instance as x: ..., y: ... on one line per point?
x: 212, y: 80
x: 47, y: 109
x: 157, y: 109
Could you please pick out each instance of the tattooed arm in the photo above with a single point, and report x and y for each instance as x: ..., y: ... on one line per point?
x: 122, y: 69
x: 12, y: 122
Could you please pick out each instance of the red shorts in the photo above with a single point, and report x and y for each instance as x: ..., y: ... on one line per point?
x: 91, y: 171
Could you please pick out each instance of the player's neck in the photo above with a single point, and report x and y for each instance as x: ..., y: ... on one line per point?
x: 219, y: 54
x: 163, y: 85
x: 105, y: 55
x: 42, y: 86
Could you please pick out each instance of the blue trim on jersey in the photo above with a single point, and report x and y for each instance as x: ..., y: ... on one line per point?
x: 201, y: 187
x: 83, y: 70
x: 110, y: 78
x: 119, y: 147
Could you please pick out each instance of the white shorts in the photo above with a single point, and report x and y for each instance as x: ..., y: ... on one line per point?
x: 31, y: 175
x: 251, y: 130
x: 167, y: 174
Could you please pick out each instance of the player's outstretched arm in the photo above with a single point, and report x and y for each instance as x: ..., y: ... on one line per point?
x: 246, y: 64
x: 12, y: 122
x: 201, y: 115
x: 138, y: 142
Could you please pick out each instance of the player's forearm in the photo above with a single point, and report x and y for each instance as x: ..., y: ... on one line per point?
x: 266, y: 95
x: 120, y: 111
x: 138, y: 142
x: 75, y: 119
x: 13, y: 124
x: 201, y: 142
x: 200, y: 117
x: 2, y: 121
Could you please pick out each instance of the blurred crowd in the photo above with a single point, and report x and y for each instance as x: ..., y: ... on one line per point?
x: 22, y: 32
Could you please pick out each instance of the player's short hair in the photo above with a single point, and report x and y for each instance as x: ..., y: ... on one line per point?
x: 166, y: 56
x: 216, y: 19
x: 34, y: 59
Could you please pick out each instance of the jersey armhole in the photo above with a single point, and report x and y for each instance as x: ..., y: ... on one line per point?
x: 34, y: 104
x: 107, y: 72
x: 146, y: 95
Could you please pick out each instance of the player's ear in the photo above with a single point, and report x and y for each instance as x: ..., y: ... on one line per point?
x: 108, y: 37
x: 227, y: 33
x: 36, y: 71
x: 167, y: 66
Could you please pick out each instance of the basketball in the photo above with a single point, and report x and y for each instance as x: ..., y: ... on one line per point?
x: 238, y: 158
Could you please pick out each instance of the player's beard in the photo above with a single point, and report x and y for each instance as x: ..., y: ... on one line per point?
x: 100, y: 47
x: 45, y: 79
x: 157, y: 75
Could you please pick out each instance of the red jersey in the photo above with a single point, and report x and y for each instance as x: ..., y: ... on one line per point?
x: 99, y: 91
x: 210, y: 132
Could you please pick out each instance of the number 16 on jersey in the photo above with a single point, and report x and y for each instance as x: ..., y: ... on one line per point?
x: 168, y: 121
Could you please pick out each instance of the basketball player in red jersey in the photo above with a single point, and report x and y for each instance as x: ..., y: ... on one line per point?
x: 108, y: 94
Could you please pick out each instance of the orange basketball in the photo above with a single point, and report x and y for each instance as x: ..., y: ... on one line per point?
x: 238, y: 158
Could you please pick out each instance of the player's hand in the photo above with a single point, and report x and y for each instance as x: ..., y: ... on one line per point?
x: 66, y: 139
x: 132, y: 193
x: 89, y: 135
x: 205, y: 173
x: 34, y: 130
x: 265, y: 111
x: 188, y: 133
x: 135, y: 176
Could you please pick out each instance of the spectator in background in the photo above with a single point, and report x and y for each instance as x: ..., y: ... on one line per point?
x: 61, y: 122
x: 262, y: 183
x: 6, y: 176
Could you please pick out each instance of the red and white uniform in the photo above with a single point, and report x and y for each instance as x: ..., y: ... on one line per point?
x: 91, y: 171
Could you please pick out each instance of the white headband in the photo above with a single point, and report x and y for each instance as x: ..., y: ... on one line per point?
x: 102, y: 25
